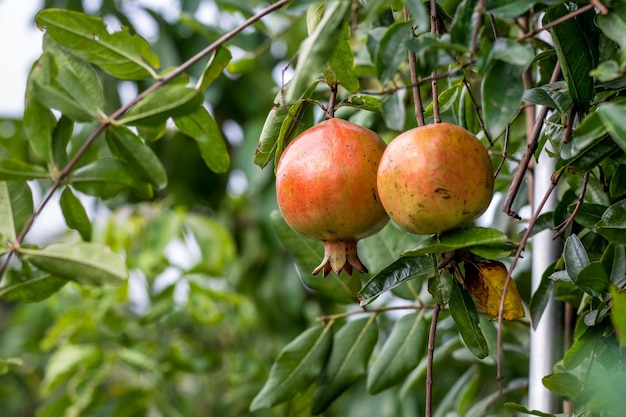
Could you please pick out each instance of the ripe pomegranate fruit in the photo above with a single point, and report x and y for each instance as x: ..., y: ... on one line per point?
x: 326, y: 190
x: 435, y: 178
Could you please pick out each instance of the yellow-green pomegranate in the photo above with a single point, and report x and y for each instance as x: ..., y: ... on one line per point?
x: 435, y: 178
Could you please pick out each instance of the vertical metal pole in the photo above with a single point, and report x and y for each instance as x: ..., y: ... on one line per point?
x: 546, y: 340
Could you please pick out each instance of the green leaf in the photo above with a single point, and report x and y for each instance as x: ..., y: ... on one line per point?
x: 613, y: 24
x: 456, y: 394
x: 384, y: 247
x: 462, y: 26
x: 120, y: 54
x: 563, y: 383
x: 574, y: 48
x: 217, y: 246
x: 106, y: 177
x: 39, y: 123
x: 16, y: 206
x: 446, y: 99
x: 341, y: 62
x: 45, y: 87
x: 399, y: 271
x: 440, y: 287
x: 400, y: 354
x: 89, y: 264
x: 139, y: 157
x: 502, y: 91
x: 65, y: 361
x: 369, y: 103
x: 583, y: 346
x: 590, y: 156
x: 29, y: 285
x: 161, y: 104
x: 613, y: 223
x: 268, y: 140
x: 553, y: 95
x: 614, y: 261
x: 495, y: 251
x: 78, y: 79
x: 352, y: 347
x: 308, y: 254
x: 214, y: 68
x: 458, y: 239
x: 575, y: 256
x: 392, y: 50
x: 296, y: 367
x: 279, y: 127
x: 508, y: 9
x: 612, y: 116
x: 394, y: 111
x: 593, y: 279
x: 522, y: 409
x: 202, y: 128
x: 607, y: 71
x: 588, y: 214
x: 7, y: 363
x: 315, y: 50
x: 419, y: 14
x: 509, y: 51
x: 618, y: 314
x: 75, y: 214
x: 465, y: 315
x: 60, y: 138
x: 14, y: 170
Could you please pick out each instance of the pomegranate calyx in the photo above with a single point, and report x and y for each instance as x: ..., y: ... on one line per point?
x: 340, y: 255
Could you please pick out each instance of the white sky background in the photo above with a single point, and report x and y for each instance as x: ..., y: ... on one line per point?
x: 20, y: 45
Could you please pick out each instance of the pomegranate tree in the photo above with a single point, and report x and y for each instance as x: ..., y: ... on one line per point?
x: 435, y: 178
x: 326, y: 190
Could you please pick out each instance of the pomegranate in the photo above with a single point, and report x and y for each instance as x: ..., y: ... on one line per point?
x: 326, y: 190
x: 435, y: 178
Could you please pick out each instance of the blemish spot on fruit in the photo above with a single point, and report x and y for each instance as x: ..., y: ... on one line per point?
x: 374, y: 196
x: 443, y: 193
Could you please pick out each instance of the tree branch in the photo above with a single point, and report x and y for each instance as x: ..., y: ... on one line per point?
x: 429, y: 361
x: 561, y: 19
x: 417, y: 98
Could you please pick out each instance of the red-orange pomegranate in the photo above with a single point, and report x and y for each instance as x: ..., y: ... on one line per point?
x: 435, y: 178
x: 326, y: 190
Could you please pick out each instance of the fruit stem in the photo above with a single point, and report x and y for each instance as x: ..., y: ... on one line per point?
x: 340, y: 255
x: 330, y: 110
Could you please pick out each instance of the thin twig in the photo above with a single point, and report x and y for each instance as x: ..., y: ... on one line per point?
x: 330, y: 110
x: 561, y: 19
x: 518, y: 253
x: 365, y: 310
x: 598, y: 5
x: 417, y: 98
x: 429, y: 361
x: 64, y: 173
x: 505, y: 149
x: 516, y: 183
x: 560, y: 229
x: 434, y: 28
x: 569, y: 125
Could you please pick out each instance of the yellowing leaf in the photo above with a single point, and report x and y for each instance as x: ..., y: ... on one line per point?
x: 485, y: 282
